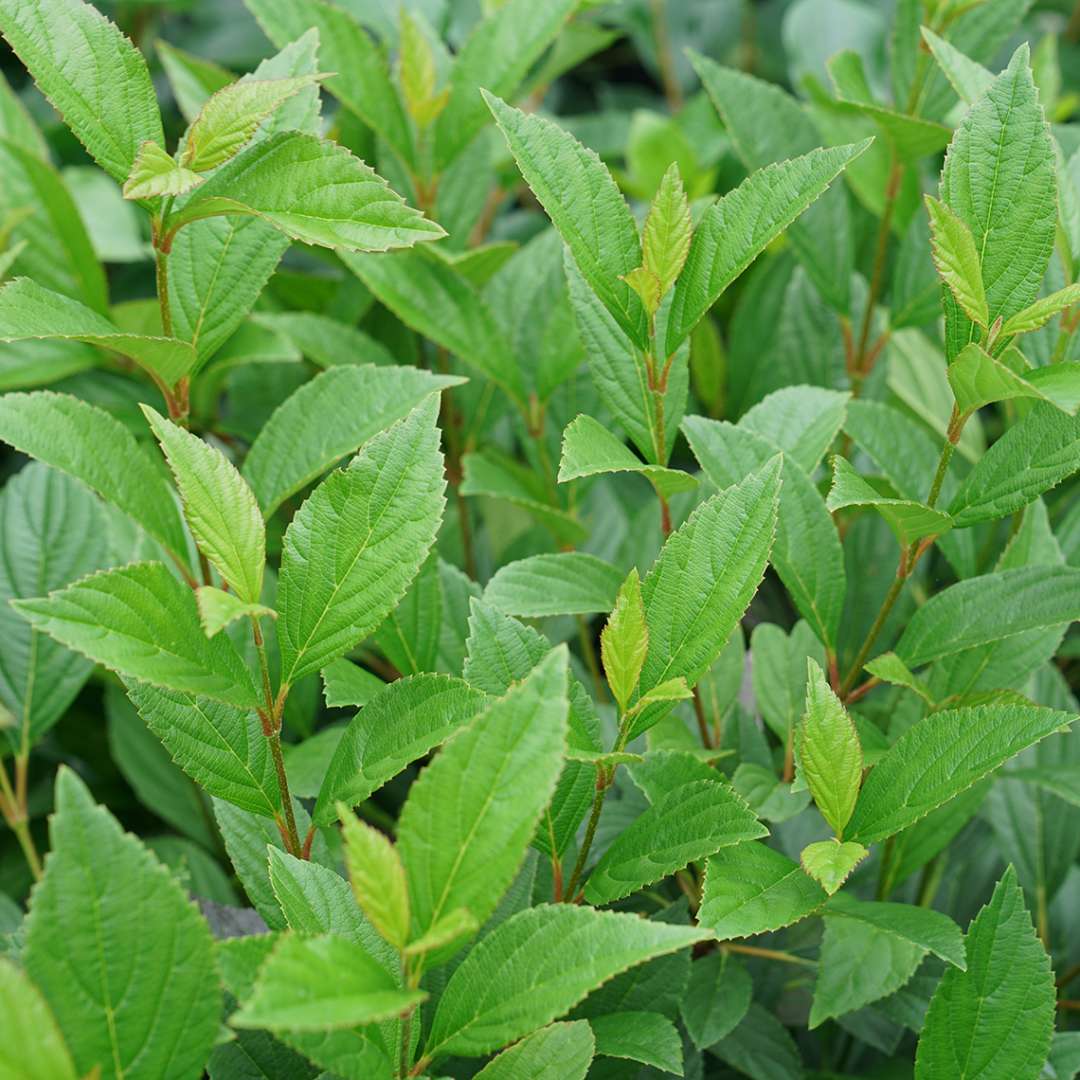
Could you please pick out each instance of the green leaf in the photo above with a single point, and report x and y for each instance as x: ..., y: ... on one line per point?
x: 462, y: 843
x: 191, y: 78
x: 156, y: 173
x: 750, y: 889
x: 930, y: 930
x: 703, y: 580
x: 941, y: 756
x: 557, y: 1052
x: 859, y: 964
x: 891, y: 669
x: 830, y: 862
x: 536, y: 966
x: 219, y: 506
x: 568, y: 583
x: 979, y: 379
x: 1032, y: 456
x: 803, y: 421
x: 322, y: 983
x: 716, y: 999
x: 497, y: 56
x: 346, y: 684
x: 106, y: 97
x: 684, y: 826
x: 995, y: 1019
x: 402, y: 722
x: 969, y: 78
x: 150, y: 1013
x: 29, y: 312
x: 218, y: 609
x: 988, y: 608
x: 1042, y: 311
x: 624, y: 641
x: 377, y: 876
x: 361, y: 79
x: 327, y: 418
x: 740, y: 225
x: 455, y: 924
x: 760, y: 1047
x: 909, y: 520
x: 312, y: 190
x: 53, y: 532
x: 957, y: 260
x: 384, y: 508
x: 999, y: 179
x: 229, y: 119
x: 23, y: 1010
x: 222, y: 748
x: 575, y: 188
x: 647, y: 1037
x: 142, y: 622
x: 589, y: 448
x: 665, y: 239
x: 829, y: 753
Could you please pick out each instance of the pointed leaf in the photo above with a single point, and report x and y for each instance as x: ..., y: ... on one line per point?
x: 218, y: 609
x: 957, y: 260
x: 23, y: 1010
x: 155, y: 173
x: 646, y: 1037
x: 568, y: 583
x: 1042, y: 311
x: 558, y: 1052
x: 979, y: 379
x: 377, y: 876
x: 665, y: 240
x: 624, y: 641
x: 830, y: 862
x: 717, y: 998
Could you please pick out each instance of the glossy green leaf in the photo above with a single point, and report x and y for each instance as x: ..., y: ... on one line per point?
x: 568, y: 583
x: 219, y: 609
x: 561, y: 1051
x: 979, y: 379
x: 830, y: 862
x: 646, y: 1037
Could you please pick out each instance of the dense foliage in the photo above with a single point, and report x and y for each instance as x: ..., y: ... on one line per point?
x: 539, y: 539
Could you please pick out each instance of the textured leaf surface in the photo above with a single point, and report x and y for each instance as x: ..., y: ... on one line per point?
x: 155, y: 173
x: 142, y: 622
x: 378, y: 878
x: 568, y: 583
x: 536, y: 966
x: 830, y: 863
x: 751, y: 888
x: 716, y: 999
x: 995, y: 1019
x: 685, y: 825
x: 24, y: 1010
x: 957, y: 260
x: 356, y: 543
x: 647, y: 1037
x: 624, y: 641
x: 94, y: 76
x: 327, y: 418
x: 978, y: 379
x: 470, y: 816
x: 940, y: 757
x: 558, y: 1052
x: 132, y: 1004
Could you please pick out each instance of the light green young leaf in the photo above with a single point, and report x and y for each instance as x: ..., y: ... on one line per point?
x: 891, y: 669
x: 684, y: 826
x: 384, y: 508
x: 983, y: 609
x: 142, y: 622
x: 647, y: 286
x: 24, y: 1011
x: 737, y: 228
x: 219, y: 506
x: 536, y: 966
x: 624, y: 641
x: 930, y: 930
x: 672, y: 690
x: 995, y: 1019
x: 322, y: 983
x: 148, y: 1014
x: 462, y: 843
x: 218, y: 609
x: 665, y: 240
x: 751, y: 889
x: 575, y: 188
x: 452, y: 926
x: 1033, y: 455
x: 222, y: 748
x: 716, y: 999
x: 497, y: 56
x: 703, y: 580
x: 647, y: 1037
x: 417, y: 73
x: 230, y: 118
x: 331, y: 416
x: 829, y: 753
x: 155, y: 173
x: 30, y: 312
x: 94, y: 77
x: 191, y: 78
x: 377, y: 876
x: 1042, y: 311
x: 830, y: 862
x: 589, y: 448
x: 910, y: 520
x: 401, y: 723
x: 567, y: 583
x: 362, y: 76
x: 957, y: 260
x: 561, y: 1051
x: 52, y: 531
x: 860, y: 963
x: 978, y: 379
x: 1000, y: 180
x: 943, y: 755
x: 312, y: 190
x: 87, y: 443
x: 969, y: 78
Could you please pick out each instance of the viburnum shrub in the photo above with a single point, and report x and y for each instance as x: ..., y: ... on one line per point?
x: 586, y: 594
